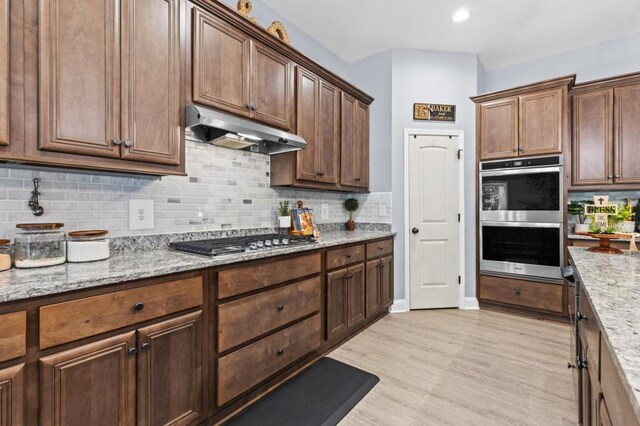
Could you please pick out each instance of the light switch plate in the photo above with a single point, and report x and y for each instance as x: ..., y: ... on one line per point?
x: 140, y: 214
x: 324, y: 211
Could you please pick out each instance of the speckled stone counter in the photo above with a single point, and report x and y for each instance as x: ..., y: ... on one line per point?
x: 612, y: 284
x: 19, y: 284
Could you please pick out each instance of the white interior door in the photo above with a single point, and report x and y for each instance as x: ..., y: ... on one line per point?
x: 434, y: 257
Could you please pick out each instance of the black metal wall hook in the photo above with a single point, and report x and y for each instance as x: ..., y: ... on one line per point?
x: 34, y: 204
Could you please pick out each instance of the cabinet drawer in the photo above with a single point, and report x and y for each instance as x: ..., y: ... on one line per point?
x: 77, y: 319
x: 13, y: 335
x: 589, y: 331
x: 244, y: 279
x: 530, y: 294
x: 241, y: 370
x: 380, y: 248
x: 344, y: 256
x: 244, y: 319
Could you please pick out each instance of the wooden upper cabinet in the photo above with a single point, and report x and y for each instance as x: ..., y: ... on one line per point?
x: 354, y: 166
x: 329, y: 134
x: 307, y: 123
x: 271, y: 91
x: 627, y: 134
x: 498, y: 129
x: 79, y: 76
x: 541, y: 117
x: 12, y: 392
x: 220, y: 80
x: 592, y: 141
x: 4, y: 72
x: 93, y: 384
x: 170, y: 372
x: 151, y: 81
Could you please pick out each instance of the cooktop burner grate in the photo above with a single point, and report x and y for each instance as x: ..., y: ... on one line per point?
x: 220, y: 246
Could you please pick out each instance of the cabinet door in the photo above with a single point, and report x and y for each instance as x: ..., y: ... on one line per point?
x: 386, y: 281
x: 90, y: 385
x: 151, y: 81
x: 593, y: 138
x: 4, y: 72
x: 627, y: 134
x: 498, y: 129
x: 361, y: 159
x: 337, y: 307
x: 604, y: 419
x: 307, y: 101
x: 12, y: 396
x: 79, y: 77
x: 220, y: 80
x: 329, y: 134
x: 374, y: 292
x: 170, y: 372
x: 540, y: 122
x: 270, y: 91
x: 349, y: 164
x: 356, y: 295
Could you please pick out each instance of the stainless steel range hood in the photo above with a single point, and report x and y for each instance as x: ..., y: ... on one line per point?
x: 219, y: 128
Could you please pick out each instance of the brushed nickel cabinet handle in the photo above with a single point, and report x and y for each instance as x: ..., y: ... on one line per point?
x: 145, y: 347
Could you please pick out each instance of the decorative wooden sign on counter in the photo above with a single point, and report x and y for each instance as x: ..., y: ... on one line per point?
x: 434, y: 112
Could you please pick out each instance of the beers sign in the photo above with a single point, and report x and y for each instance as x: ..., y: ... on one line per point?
x: 434, y: 112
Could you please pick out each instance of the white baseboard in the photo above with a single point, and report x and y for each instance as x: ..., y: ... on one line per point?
x: 399, y: 305
x: 470, y: 303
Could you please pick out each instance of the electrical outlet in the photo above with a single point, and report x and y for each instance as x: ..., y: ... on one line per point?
x: 382, y: 210
x: 324, y: 211
x: 140, y: 214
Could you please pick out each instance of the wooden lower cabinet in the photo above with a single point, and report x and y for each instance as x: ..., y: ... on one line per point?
x: 374, y: 287
x: 527, y: 294
x: 12, y: 390
x: 94, y: 384
x: 356, y: 295
x: 604, y: 419
x: 345, y: 299
x: 170, y: 372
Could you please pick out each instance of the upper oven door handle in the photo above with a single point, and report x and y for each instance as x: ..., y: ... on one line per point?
x: 507, y: 172
x: 521, y: 224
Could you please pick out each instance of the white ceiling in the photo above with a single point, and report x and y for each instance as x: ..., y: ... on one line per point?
x: 502, y: 32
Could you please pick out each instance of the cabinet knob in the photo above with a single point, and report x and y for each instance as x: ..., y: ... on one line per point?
x: 254, y: 108
x: 128, y: 143
x: 381, y: 265
x: 280, y: 308
x: 132, y: 351
x: 521, y: 149
x: 518, y: 292
x: 515, y: 149
x: 248, y: 106
x: 138, y: 307
x: 569, y: 365
x: 380, y: 248
x: 357, y: 179
x: 321, y: 173
x: 349, y: 276
x: 582, y: 364
x: 415, y: 230
x: 145, y: 347
x: 617, y: 176
x: 280, y: 351
x: 348, y: 255
x: 582, y: 317
x: 610, y: 177
x: 116, y: 141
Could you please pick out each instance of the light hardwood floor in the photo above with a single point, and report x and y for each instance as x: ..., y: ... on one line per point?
x: 453, y: 367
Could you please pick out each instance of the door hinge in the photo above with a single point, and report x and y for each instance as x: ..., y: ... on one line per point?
x: 459, y: 153
x: 458, y: 217
x: 459, y: 279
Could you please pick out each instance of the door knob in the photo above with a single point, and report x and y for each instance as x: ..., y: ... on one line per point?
x: 415, y: 230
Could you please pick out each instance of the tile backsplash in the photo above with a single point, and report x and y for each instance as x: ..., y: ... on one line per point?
x: 223, y: 189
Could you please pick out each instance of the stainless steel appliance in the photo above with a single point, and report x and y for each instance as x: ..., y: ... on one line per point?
x: 222, y: 246
x: 522, y: 248
x: 522, y: 190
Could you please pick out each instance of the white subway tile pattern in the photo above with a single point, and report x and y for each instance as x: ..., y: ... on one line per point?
x: 224, y: 189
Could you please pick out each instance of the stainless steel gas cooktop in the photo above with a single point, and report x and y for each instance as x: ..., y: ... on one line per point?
x: 221, y: 246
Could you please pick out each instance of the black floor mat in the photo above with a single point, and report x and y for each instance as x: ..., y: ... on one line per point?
x: 321, y: 395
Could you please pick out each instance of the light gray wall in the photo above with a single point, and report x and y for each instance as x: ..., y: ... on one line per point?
x: 437, y: 77
x: 373, y: 75
x: 609, y: 58
x: 300, y: 40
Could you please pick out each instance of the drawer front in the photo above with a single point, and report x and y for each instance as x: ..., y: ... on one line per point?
x: 530, y: 294
x: 241, y: 370
x: 337, y: 258
x: 589, y: 331
x: 13, y: 335
x: 247, y: 278
x: 379, y: 248
x: 244, y: 319
x: 77, y: 319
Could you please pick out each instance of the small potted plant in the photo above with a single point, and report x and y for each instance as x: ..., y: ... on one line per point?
x: 576, y: 208
x: 351, y: 205
x: 284, y: 215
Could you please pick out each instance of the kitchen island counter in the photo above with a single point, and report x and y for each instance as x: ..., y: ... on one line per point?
x: 21, y: 284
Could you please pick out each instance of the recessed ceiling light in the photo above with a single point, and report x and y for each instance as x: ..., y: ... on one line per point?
x: 460, y: 15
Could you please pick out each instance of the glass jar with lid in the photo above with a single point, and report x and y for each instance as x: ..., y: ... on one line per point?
x: 39, y: 244
x: 87, y: 246
x: 6, y: 255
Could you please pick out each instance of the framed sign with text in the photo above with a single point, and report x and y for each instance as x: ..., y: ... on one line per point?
x: 434, y: 112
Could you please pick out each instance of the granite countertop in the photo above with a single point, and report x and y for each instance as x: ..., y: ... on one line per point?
x: 20, y: 284
x: 612, y: 283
